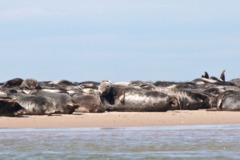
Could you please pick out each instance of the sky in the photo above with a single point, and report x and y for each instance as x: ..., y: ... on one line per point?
x: 119, y: 40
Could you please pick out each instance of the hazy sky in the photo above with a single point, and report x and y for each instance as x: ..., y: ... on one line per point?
x: 119, y: 40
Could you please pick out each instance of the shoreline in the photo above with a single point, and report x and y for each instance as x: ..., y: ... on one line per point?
x: 123, y: 119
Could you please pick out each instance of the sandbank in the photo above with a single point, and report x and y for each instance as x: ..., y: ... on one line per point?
x: 123, y: 119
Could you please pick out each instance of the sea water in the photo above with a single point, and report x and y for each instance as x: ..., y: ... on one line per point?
x: 173, y: 142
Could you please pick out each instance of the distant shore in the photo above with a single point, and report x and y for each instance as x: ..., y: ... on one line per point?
x: 121, y: 119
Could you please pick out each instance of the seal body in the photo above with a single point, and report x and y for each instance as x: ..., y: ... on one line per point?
x: 36, y: 105
x: 88, y: 103
x: 119, y: 98
x: 229, y: 101
x: 61, y: 101
x: 13, y: 83
x: 186, y: 99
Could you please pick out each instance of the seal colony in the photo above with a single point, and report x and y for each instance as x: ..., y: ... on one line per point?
x: 31, y: 97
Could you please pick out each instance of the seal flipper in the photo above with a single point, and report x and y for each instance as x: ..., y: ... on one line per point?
x: 122, y: 98
x: 109, y: 107
x: 222, y: 77
x: 205, y: 75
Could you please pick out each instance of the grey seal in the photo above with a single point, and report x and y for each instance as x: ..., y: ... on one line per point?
x: 119, y: 98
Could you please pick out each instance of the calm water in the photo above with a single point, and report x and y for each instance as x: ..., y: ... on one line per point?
x: 176, y: 142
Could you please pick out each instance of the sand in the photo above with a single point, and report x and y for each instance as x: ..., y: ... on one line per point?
x: 120, y: 119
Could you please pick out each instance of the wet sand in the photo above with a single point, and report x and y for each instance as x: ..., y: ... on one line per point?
x: 119, y: 119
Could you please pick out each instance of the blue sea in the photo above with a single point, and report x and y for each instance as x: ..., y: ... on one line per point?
x: 173, y: 142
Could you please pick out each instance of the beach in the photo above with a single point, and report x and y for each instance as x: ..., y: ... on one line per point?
x: 123, y: 119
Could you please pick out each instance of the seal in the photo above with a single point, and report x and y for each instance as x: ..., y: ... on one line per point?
x: 44, y: 103
x: 88, y: 103
x: 62, y: 102
x: 63, y: 82
x: 228, y: 101
x: 53, y: 86
x: 175, y: 85
x: 35, y: 105
x: 207, y: 79
x: 89, y: 84
x: 119, y: 98
x: 30, y: 84
x: 141, y: 85
x: 190, y: 99
x: 16, y: 82
x: 88, y: 100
